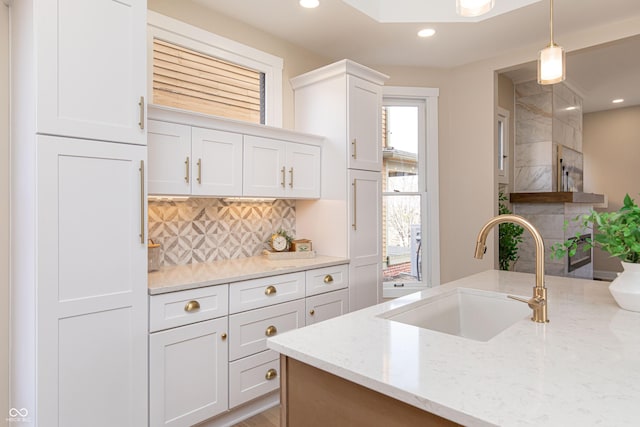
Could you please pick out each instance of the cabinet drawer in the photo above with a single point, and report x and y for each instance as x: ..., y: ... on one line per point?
x: 265, y: 291
x: 248, y: 331
x: 325, y: 306
x: 327, y: 279
x: 253, y: 376
x: 181, y: 308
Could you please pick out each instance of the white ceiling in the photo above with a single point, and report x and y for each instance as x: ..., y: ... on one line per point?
x: 336, y: 30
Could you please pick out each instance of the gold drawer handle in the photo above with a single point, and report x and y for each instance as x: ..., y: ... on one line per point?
x: 192, y: 306
x: 271, y: 290
x: 328, y: 279
x: 271, y: 374
x: 271, y: 331
x: 312, y: 312
x: 223, y: 336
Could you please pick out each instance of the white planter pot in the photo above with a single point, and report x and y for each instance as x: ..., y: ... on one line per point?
x: 626, y: 287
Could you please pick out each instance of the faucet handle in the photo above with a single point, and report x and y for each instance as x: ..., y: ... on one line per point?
x: 533, y: 303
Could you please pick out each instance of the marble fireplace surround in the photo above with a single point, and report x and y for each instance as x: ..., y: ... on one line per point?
x: 549, y: 212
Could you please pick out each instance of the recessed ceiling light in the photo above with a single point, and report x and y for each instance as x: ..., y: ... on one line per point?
x: 426, y: 32
x: 618, y: 101
x: 309, y: 4
x: 571, y: 108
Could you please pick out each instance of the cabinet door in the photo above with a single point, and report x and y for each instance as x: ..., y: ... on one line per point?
x: 303, y: 171
x: 188, y: 373
x: 169, y: 158
x: 365, y: 218
x: 325, y: 306
x: 91, y: 69
x: 92, y: 283
x: 364, y: 124
x: 264, y: 169
x: 217, y: 163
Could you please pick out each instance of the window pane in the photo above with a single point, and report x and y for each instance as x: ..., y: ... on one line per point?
x: 400, y: 149
x: 401, y: 239
x: 190, y: 80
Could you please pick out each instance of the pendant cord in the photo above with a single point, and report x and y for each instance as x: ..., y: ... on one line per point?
x: 551, y: 21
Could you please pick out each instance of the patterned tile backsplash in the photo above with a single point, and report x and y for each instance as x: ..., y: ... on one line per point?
x: 204, y: 230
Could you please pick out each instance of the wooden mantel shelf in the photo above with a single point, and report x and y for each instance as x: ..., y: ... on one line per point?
x: 557, y: 197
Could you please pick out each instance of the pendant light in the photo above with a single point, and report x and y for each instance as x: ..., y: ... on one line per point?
x: 551, y: 59
x: 471, y: 8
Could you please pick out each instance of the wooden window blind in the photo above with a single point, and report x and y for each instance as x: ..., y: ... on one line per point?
x: 190, y: 80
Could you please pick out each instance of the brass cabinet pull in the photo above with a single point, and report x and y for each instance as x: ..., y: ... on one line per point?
x: 353, y: 145
x: 355, y: 203
x: 283, y: 172
x: 192, y: 306
x: 328, y: 279
x: 271, y: 331
x: 141, y: 105
x: 291, y: 181
x: 186, y: 175
x: 270, y: 290
x: 271, y: 374
x: 199, y: 171
x: 223, y: 336
x: 312, y: 312
x: 142, y: 200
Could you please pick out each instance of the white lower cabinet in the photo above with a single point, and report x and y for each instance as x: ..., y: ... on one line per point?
x: 248, y: 331
x: 208, y: 346
x: 188, y: 381
x: 325, y: 306
x: 253, y: 376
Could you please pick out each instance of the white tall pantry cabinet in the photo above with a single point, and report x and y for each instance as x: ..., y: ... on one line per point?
x: 78, y: 213
x: 343, y: 101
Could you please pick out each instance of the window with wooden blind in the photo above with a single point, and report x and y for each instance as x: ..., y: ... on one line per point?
x: 186, y: 79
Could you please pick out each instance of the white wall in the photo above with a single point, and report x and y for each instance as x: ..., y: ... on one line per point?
x: 4, y: 212
x: 611, y: 147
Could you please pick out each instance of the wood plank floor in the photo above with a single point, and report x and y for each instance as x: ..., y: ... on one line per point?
x: 268, y: 418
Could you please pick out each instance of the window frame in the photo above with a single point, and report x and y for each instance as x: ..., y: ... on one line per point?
x: 177, y: 32
x: 428, y: 182
x: 502, y: 144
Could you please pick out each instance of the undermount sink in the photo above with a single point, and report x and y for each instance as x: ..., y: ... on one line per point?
x: 467, y: 313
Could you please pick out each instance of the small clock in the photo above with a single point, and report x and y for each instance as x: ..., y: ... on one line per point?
x: 279, y: 243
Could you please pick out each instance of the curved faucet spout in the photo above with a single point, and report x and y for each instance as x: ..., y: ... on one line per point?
x: 539, y: 291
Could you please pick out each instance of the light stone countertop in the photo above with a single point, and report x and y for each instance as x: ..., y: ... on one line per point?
x: 581, y: 369
x: 182, y: 277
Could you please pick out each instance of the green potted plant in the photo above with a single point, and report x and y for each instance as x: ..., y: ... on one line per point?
x: 509, y: 237
x: 618, y: 234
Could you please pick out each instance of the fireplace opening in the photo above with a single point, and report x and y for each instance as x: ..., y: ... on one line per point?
x: 582, y: 256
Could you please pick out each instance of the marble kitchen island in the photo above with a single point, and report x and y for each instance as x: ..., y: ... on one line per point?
x: 582, y: 368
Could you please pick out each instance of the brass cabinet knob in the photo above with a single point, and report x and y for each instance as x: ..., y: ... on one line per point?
x: 271, y: 330
x: 270, y: 290
x: 223, y: 336
x: 312, y: 312
x: 192, y: 306
x: 271, y: 374
x: 328, y: 279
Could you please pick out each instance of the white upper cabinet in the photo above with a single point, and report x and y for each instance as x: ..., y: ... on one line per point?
x: 217, y: 162
x: 91, y: 69
x: 303, y: 171
x: 169, y: 158
x: 274, y: 168
x: 194, y: 161
x: 205, y: 156
x: 364, y: 125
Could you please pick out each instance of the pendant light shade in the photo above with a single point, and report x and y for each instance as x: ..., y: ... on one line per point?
x: 471, y: 8
x: 551, y: 59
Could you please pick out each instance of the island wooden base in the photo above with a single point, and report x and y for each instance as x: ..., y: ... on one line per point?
x: 311, y: 397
